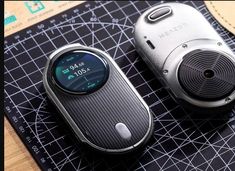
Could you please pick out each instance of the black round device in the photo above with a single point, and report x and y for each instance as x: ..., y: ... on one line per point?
x: 95, y: 98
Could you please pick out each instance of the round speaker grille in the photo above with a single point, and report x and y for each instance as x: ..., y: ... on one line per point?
x: 207, y: 75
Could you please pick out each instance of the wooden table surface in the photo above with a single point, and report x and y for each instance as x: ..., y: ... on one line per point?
x: 16, y: 156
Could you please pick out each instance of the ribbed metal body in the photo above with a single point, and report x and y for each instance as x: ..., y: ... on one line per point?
x: 93, y: 116
x: 97, y: 114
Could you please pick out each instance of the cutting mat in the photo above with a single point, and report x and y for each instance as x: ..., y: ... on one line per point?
x: 181, y: 141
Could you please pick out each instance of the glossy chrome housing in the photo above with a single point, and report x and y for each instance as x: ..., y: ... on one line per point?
x: 174, y: 36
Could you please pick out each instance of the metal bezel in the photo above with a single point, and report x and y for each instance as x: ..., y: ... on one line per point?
x: 61, y: 87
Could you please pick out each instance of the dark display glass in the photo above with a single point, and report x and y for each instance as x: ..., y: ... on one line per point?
x: 80, y: 72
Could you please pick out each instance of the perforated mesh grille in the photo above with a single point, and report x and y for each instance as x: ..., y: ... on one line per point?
x: 207, y: 75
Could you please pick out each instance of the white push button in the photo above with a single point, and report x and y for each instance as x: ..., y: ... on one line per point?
x: 123, y: 131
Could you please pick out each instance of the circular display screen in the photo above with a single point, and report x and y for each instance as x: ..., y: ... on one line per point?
x: 80, y: 72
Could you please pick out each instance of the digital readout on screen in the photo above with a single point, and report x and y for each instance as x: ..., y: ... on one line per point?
x: 80, y: 72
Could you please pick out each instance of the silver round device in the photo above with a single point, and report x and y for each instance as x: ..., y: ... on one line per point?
x: 96, y: 100
x: 188, y: 56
